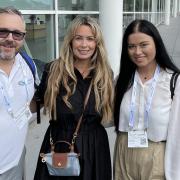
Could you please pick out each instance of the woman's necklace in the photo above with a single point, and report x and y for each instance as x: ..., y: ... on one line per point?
x: 84, y: 73
x: 83, y: 69
x: 146, y: 77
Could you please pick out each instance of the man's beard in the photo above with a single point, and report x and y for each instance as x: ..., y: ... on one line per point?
x: 7, y: 56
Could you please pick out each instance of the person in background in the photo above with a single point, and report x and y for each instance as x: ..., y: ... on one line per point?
x: 143, y: 104
x: 16, y: 92
x: 65, y: 82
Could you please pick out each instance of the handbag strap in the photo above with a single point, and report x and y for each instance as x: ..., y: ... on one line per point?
x: 80, y: 119
x: 78, y: 124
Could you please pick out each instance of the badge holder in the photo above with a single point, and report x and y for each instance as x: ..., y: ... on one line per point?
x: 137, y: 139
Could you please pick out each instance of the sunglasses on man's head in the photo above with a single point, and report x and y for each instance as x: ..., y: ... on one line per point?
x: 17, y: 35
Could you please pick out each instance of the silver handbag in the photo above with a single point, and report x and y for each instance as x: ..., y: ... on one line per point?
x: 62, y: 164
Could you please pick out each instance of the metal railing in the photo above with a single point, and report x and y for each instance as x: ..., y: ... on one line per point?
x: 155, y: 17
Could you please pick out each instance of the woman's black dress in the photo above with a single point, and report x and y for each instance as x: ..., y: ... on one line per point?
x: 92, y: 141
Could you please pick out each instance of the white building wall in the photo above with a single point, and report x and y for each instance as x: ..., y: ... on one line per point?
x: 154, y: 9
x: 175, y: 8
x: 111, y: 20
x: 167, y: 11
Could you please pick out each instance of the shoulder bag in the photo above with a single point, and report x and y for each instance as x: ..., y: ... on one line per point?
x: 65, y: 164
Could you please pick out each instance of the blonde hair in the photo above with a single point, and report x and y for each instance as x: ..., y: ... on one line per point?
x: 63, y: 68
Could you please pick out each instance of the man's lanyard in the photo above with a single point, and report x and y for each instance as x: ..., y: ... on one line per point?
x: 149, y: 99
x: 6, y: 97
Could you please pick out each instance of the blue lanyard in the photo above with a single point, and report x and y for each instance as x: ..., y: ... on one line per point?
x: 7, y: 101
x: 6, y: 97
x: 149, y: 99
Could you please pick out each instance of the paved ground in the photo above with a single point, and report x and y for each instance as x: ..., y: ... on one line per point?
x: 171, y: 37
x: 34, y: 139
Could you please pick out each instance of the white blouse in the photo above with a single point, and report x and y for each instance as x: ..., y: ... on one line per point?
x: 172, y: 154
x: 159, y: 114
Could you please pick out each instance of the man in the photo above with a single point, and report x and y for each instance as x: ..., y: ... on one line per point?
x: 16, y: 92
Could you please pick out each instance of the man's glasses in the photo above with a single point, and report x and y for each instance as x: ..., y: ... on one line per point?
x: 17, y: 35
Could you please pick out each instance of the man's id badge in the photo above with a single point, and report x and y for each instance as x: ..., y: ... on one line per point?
x: 22, y: 116
x: 137, y: 139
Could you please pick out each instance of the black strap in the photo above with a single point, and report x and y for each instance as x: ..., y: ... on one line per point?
x: 38, y: 107
x: 173, y: 83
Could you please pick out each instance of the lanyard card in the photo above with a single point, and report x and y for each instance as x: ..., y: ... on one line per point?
x: 137, y: 139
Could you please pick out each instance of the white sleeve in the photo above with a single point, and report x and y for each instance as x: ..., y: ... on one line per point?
x: 172, y: 153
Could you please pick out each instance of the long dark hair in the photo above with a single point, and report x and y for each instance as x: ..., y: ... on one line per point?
x: 127, y: 67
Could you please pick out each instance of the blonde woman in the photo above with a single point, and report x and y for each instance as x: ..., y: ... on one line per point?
x: 65, y: 81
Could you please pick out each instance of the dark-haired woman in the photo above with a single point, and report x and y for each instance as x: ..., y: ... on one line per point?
x: 143, y: 104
